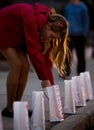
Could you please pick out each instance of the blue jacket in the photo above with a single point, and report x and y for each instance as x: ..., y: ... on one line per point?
x: 78, y: 18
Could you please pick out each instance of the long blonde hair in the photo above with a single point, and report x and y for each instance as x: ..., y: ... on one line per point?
x: 58, y: 49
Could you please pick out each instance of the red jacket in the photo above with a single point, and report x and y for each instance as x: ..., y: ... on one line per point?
x: 22, y: 24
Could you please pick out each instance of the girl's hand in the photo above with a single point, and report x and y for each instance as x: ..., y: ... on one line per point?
x: 45, y: 83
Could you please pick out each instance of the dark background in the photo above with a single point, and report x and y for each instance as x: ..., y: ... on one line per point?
x: 58, y: 4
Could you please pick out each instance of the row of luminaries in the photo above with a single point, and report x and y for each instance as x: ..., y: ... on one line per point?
x: 77, y: 91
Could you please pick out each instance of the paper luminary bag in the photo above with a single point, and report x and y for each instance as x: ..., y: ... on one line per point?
x: 87, y: 85
x: 55, y: 105
x: 79, y: 92
x: 1, y: 126
x: 82, y: 75
x: 69, y: 103
x: 21, y: 120
x: 38, y: 113
x: 83, y: 91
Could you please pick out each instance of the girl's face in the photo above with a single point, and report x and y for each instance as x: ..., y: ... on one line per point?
x: 50, y: 39
x: 50, y: 34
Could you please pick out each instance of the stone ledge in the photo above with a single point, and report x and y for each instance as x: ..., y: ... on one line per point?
x: 82, y: 120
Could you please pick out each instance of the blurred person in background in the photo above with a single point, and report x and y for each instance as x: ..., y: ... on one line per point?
x: 40, y: 33
x: 76, y: 12
x: 91, y: 13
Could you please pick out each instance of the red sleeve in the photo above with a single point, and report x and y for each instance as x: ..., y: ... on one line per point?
x: 41, y: 63
x: 33, y: 44
x: 48, y: 65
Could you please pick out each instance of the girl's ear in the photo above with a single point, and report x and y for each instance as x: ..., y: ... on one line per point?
x: 53, y: 11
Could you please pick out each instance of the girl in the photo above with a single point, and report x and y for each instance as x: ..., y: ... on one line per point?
x: 38, y: 32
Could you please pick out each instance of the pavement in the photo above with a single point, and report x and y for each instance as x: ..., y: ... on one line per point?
x: 83, y: 119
